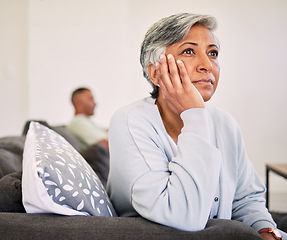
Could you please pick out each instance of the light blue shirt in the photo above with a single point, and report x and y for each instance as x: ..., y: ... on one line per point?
x: 86, y: 130
x: 208, y: 176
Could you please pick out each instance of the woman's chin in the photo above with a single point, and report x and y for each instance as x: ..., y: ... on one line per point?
x: 206, y: 96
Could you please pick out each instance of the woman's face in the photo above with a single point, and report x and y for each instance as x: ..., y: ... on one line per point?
x: 199, y: 53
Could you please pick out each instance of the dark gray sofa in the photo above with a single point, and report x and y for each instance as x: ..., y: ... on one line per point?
x: 15, y: 223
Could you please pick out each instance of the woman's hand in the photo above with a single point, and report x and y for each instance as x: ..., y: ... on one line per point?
x: 267, y: 236
x: 175, y: 85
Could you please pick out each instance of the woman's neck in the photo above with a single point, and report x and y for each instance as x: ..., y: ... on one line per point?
x: 172, y: 122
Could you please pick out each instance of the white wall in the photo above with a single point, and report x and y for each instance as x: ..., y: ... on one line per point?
x: 96, y: 44
x: 13, y: 66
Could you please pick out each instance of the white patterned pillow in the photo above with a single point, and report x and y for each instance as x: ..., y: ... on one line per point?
x: 57, y: 179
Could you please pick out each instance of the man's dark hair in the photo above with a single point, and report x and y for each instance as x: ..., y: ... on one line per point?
x: 77, y: 91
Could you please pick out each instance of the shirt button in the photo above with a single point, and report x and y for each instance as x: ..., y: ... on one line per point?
x: 215, y: 216
x: 216, y: 199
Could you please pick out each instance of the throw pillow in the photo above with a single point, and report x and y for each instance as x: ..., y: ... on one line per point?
x: 57, y: 179
x: 70, y: 137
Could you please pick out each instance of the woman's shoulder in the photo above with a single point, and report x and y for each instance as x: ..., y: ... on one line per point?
x: 138, y: 110
x: 221, y: 117
x: 218, y: 112
x: 139, y: 107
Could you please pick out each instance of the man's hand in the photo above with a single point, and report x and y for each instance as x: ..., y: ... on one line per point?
x: 104, y: 143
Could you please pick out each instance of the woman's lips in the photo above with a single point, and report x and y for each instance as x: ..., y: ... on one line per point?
x: 203, y: 82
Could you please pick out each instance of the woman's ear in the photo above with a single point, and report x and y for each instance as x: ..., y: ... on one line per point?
x: 152, y: 73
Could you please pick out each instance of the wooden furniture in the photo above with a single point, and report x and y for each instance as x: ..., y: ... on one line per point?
x: 278, y: 168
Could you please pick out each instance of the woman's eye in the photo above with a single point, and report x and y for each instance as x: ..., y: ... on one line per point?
x: 213, y: 53
x: 188, y: 51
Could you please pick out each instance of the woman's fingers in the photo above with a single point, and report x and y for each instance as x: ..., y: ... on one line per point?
x: 173, y: 72
x: 185, y: 80
x: 163, y: 72
x: 168, y: 72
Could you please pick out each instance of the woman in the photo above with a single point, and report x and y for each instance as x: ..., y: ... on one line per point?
x: 176, y: 160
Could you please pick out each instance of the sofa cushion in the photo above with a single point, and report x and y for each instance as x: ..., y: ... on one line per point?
x: 57, y: 179
x: 11, y: 150
x: 98, y: 158
x: 11, y: 193
x: 281, y: 220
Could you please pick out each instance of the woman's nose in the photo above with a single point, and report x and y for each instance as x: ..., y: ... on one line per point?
x: 204, y: 64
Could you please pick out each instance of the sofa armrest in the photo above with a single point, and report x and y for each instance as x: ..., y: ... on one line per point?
x: 49, y: 226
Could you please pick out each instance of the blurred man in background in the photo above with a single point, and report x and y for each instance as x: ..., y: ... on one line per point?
x: 82, y: 125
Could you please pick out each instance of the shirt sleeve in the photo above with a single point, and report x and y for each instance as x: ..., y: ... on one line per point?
x: 175, y: 191
x: 249, y: 204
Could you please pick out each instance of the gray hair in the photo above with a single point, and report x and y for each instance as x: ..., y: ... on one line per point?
x: 166, y: 32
